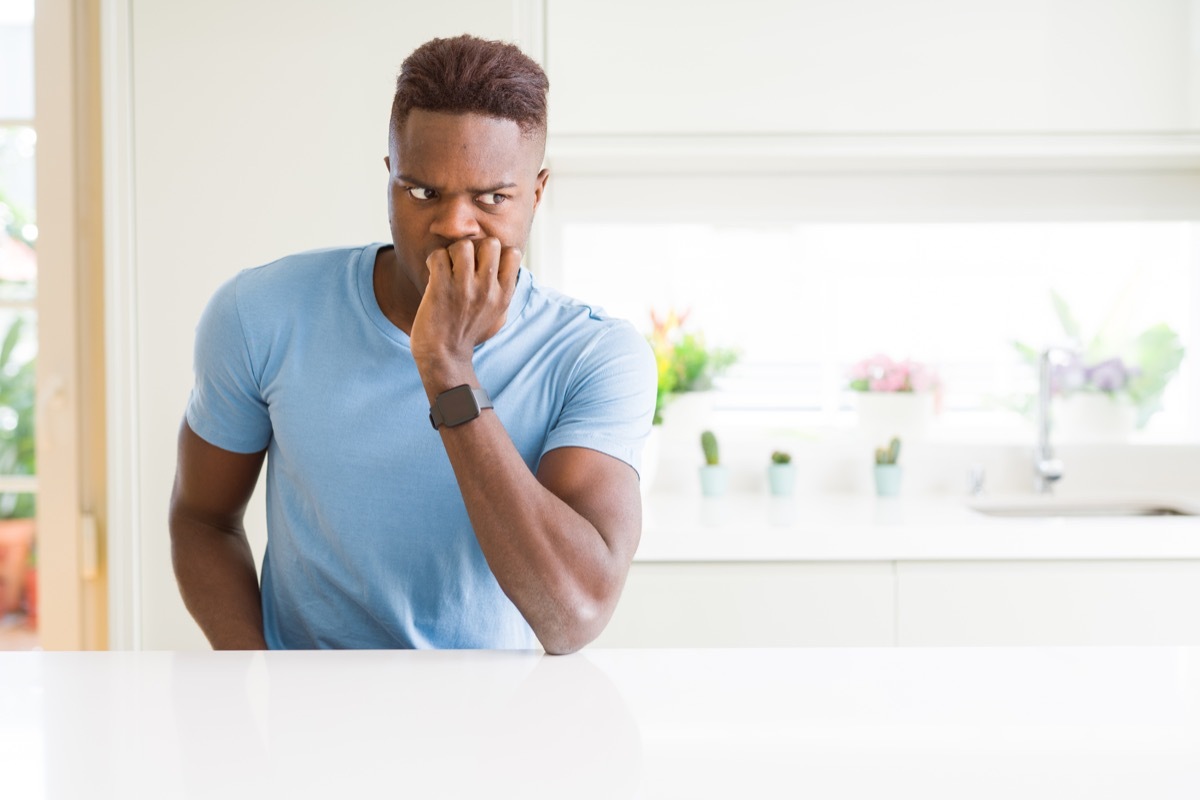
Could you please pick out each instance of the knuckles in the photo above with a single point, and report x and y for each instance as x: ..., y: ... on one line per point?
x: 486, y: 254
x: 462, y: 252
x: 484, y: 269
x: 487, y: 251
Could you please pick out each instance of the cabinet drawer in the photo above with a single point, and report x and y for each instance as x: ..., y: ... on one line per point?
x: 784, y: 604
x: 1049, y: 603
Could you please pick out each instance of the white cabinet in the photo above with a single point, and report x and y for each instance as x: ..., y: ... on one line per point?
x: 1048, y: 603
x: 782, y: 604
x: 868, y: 66
x: 908, y: 603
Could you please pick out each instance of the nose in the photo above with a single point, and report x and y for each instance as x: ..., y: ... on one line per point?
x: 455, y: 219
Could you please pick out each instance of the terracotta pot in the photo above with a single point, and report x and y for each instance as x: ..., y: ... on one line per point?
x: 16, y: 540
x: 31, y: 597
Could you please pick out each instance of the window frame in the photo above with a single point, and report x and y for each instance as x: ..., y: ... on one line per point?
x: 72, y: 583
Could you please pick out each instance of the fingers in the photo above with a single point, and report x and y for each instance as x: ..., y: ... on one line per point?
x: 473, y: 264
x: 438, y: 264
x: 510, y: 264
x: 471, y: 284
x: 487, y: 257
x: 462, y: 259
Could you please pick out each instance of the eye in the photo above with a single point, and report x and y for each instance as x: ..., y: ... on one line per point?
x: 492, y: 198
x: 421, y: 193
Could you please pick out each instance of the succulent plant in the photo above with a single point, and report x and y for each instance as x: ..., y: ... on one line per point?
x: 708, y: 443
x: 889, y: 454
x: 781, y: 457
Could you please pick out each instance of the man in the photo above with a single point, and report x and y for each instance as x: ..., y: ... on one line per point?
x: 452, y: 448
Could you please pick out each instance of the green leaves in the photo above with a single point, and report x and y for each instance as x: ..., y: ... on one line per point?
x: 13, y: 220
x: 708, y: 443
x: 1158, y: 352
x: 17, y: 442
x: 1069, y: 324
x: 685, y: 364
x: 889, y: 454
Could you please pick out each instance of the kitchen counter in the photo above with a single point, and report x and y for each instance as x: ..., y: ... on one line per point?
x: 745, y: 527
x: 852, y: 723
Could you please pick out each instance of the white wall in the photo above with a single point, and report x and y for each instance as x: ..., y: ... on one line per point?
x: 259, y: 129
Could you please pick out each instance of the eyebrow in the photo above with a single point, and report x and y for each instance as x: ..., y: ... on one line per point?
x: 486, y: 190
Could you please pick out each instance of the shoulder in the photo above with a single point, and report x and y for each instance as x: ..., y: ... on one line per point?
x: 592, y: 335
x: 273, y: 293
x: 552, y: 310
x: 261, y: 304
x: 298, y: 274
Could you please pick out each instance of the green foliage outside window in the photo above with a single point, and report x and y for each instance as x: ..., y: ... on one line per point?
x: 17, y: 450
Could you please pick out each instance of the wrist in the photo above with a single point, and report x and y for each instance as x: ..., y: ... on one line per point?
x: 440, y: 374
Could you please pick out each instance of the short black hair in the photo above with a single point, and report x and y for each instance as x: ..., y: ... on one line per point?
x: 466, y: 74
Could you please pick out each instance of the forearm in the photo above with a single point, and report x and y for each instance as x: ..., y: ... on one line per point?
x: 550, y: 560
x: 219, y: 584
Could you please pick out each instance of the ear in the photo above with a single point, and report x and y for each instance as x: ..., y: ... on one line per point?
x: 387, y: 162
x: 539, y: 186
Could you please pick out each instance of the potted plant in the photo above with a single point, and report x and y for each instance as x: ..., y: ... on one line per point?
x: 894, y: 396
x: 1114, y: 381
x: 887, y: 470
x: 685, y: 362
x: 781, y: 474
x: 713, y: 477
x: 17, y: 453
x: 686, y: 365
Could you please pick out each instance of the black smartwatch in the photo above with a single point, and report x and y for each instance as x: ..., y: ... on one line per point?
x: 458, y: 405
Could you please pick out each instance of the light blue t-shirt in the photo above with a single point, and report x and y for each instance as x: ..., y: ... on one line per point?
x: 369, y: 544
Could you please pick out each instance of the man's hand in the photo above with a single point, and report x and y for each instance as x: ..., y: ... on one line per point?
x: 559, y: 542
x: 471, y: 283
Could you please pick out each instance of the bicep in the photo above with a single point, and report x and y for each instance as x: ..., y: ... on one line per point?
x: 601, y: 489
x: 213, y: 485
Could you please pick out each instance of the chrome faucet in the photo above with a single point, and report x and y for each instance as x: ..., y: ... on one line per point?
x: 1047, y: 469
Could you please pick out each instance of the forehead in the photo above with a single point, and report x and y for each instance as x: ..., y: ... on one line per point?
x: 435, y: 144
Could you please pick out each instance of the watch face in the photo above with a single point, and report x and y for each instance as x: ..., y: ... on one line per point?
x: 458, y: 405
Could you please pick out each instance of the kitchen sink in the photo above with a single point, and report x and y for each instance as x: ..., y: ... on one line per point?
x: 1056, y: 507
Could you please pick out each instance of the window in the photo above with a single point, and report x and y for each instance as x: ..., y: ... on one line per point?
x: 18, y: 325
x: 49, y: 238
x: 804, y: 290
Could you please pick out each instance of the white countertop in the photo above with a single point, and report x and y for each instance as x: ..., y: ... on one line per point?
x: 853, y: 723
x: 746, y: 527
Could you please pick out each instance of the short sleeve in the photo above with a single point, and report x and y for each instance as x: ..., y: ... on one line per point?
x: 226, y: 407
x: 609, y: 403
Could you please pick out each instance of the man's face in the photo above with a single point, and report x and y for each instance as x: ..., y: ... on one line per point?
x: 459, y: 176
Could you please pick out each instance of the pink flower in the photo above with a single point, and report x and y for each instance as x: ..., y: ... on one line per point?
x: 860, y: 372
x: 892, y: 381
x: 920, y: 377
x: 874, y: 367
x: 881, y: 374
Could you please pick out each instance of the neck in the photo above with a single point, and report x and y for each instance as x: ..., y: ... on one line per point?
x: 398, y: 299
